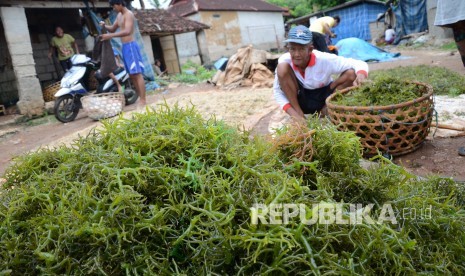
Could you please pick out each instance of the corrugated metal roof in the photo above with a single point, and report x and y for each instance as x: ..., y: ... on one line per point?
x: 187, y: 7
x: 162, y: 22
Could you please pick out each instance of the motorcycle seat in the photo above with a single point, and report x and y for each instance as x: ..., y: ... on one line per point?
x: 98, y: 74
x: 95, y: 63
x: 118, y: 70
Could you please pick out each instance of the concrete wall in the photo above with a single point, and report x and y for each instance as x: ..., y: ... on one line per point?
x: 264, y: 30
x: 8, y: 91
x: 224, y: 37
x: 47, y: 71
x: 202, y: 43
x: 377, y: 30
x: 16, y: 31
x: 231, y: 30
x: 187, y: 48
x: 441, y: 34
x: 148, y: 48
x: 203, y: 47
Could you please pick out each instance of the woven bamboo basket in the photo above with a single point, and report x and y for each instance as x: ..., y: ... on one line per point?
x: 50, y: 90
x: 396, y: 129
x: 104, y: 105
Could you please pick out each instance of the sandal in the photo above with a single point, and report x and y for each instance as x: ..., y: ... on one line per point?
x: 462, y: 151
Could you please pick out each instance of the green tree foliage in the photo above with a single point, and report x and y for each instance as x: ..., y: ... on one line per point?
x: 299, y: 8
x: 296, y: 7
x: 324, y: 4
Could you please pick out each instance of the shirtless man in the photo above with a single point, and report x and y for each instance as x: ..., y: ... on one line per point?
x: 131, y: 52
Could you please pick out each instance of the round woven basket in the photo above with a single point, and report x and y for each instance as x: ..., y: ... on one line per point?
x: 396, y: 129
x: 50, y: 90
x: 104, y: 105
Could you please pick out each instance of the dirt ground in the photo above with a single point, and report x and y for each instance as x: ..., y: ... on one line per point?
x: 252, y: 109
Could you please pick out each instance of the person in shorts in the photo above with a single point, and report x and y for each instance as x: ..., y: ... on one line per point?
x: 303, y: 78
x: 131, y: 53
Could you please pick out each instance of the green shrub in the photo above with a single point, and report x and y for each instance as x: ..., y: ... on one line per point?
x: 449, y: 46
x: 193, y: 73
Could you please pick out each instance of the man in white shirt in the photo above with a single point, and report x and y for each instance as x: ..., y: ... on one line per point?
x: 303, y: 78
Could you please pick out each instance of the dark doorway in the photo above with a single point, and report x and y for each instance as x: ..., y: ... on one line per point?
x: 158, y: 51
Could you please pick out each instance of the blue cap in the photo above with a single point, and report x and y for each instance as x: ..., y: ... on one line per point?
x: 300, y: 35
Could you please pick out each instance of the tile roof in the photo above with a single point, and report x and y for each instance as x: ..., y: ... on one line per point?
x: 187, y: 7
x: 57, y: 3
x: 162, y: 22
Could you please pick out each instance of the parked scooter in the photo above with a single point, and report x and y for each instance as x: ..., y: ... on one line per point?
x: 75, y: 85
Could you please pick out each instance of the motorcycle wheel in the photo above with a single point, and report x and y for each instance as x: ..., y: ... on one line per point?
x: 130, y: 94
x: 66, y: 109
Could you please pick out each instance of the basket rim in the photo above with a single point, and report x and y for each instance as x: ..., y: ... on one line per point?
x: 95, y: 95
x: 53, y: 84
x: 330, y: 105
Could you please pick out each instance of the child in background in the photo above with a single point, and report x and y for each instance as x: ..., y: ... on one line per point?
x: 389, y: 35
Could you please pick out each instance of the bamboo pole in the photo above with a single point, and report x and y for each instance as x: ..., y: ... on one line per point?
x: 445, y: 126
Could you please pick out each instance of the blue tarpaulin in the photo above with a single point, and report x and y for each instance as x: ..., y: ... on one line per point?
x: 357, y: 48
x: 411, y: 17
x: 221, y: 64
x: 355, y: 20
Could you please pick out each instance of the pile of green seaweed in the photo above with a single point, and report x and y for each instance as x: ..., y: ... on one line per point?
x: 383, y: 91
x: 168, y: 192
